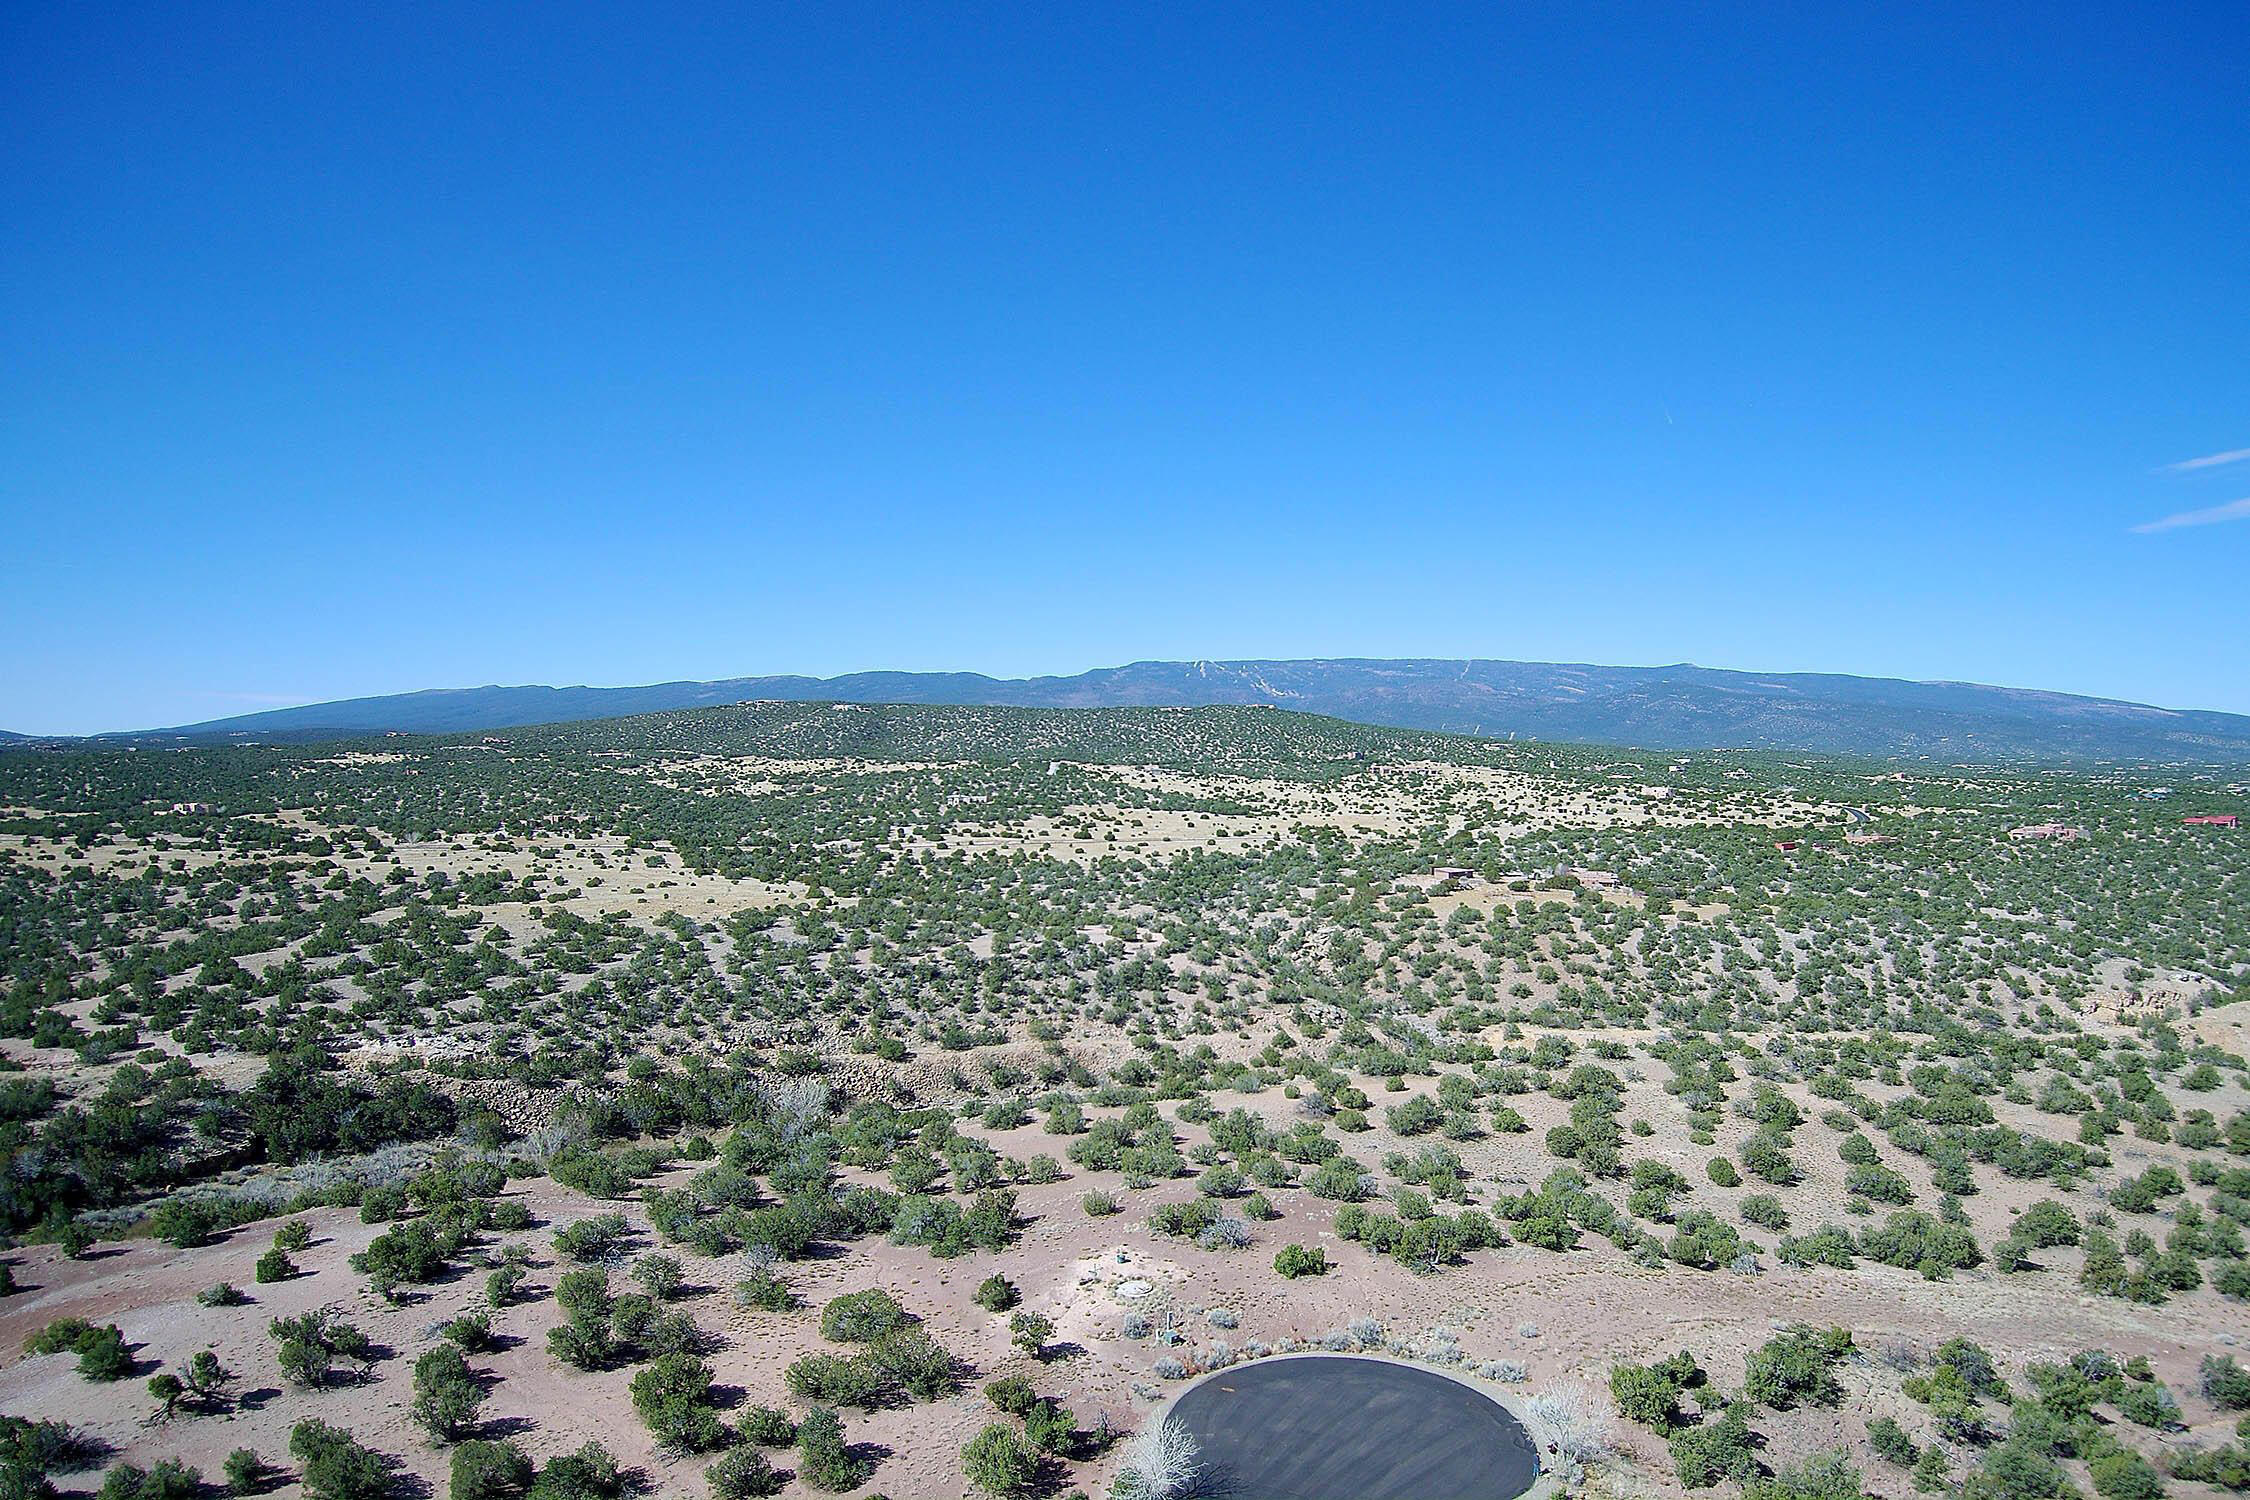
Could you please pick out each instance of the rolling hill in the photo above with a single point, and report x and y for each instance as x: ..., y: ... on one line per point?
x: 1673, y: 707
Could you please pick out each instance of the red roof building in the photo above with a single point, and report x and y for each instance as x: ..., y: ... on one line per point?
x: 2214, y: 820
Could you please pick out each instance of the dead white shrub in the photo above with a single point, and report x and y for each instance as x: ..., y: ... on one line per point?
x: 1576, y: 1420
x: 1161, y: 1463
x: 798, y: 1104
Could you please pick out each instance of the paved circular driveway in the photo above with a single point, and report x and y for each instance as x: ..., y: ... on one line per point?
x: 1353, y: 1429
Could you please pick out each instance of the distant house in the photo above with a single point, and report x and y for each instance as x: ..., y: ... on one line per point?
x: 2062, y: 831
x: 1442, y: 875
x: 1785, y: 845
x: 1600, y: 880
x: 2213, y: 820
x: 1870, y: 838
x: 187, y: 809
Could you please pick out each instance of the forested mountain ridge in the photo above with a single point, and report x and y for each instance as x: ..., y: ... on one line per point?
x: 1672, y: 707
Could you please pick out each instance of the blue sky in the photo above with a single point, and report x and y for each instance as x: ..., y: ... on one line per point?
x: 354, y: 349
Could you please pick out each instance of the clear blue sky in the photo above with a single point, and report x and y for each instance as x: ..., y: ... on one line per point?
x: 350, y: 349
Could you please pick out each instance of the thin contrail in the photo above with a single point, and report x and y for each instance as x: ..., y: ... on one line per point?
x: 2208, y: 461
x: 2233, y: 510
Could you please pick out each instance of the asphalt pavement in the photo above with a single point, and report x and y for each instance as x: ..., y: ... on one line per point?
x: 1353, y: 1429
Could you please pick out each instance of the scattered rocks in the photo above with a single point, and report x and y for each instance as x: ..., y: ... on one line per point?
x: 522, y: 1109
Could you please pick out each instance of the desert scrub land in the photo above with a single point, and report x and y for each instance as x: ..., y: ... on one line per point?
x: 831, y: 1099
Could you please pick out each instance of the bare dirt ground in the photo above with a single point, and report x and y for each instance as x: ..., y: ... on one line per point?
x: 1565, y: 1318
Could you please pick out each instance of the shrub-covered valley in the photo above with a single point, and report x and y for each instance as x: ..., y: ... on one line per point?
x: 824, y: 1098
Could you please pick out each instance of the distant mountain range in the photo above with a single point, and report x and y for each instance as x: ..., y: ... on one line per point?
x: 1676, y: 707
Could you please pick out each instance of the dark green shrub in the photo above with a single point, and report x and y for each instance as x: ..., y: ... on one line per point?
x: 2226, y: 1384
x: 1030, y: 1331
x: 2123, y: 1474
x: 823, y: 1459
x: 169, y: 1480
x: 1890, y: 1442
x: 446, y: 1395
x: 743, y: 1474
x: 1184, y: 1219
x: 58, y: 1336
x: 589, y: 1473
x: 246, y: 1472
x: 1650, y: 1394
x: 311, y: 1343
x: 1798, y: 1366
x: 673, y: 1396
x: 1011, y: 1393
x: 185, y: 1223
x: 489, y: 1471
x: 910, y: 1360
x: 857, y: 1317
x: 1824, y: 1476
x: 1715, y: 1450
x: 999, y: 1463
x: 168, y: 1390
x: 335, y: 1464
x: 600, y: 1238
x: 660, y: 1276
x: 406, y: 1254
x: 103, y: 1355
x: 767, y: 1426
x: 1050, y: 1427
x: 836, y: 1380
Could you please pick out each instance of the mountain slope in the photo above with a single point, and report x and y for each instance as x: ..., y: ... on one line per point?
x: 1221, y: 736
x: 1675, y: 707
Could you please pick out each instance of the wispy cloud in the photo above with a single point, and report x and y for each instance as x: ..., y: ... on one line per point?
x: 2233, y: 510
x: 2208, y: 461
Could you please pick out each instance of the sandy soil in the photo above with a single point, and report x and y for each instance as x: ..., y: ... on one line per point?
x: 1566, y: 1318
